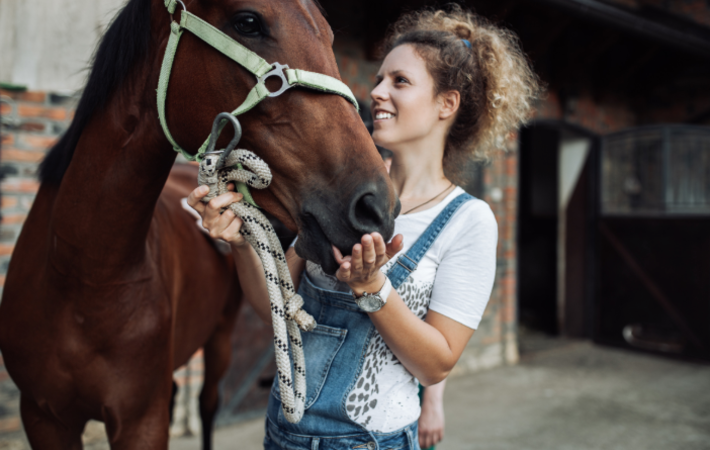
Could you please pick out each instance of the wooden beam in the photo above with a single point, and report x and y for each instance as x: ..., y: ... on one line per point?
x: 633, y: 66
x: 558, y: 25
x: 597, y: 11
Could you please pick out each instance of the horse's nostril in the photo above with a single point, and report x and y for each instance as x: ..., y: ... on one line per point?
x: 368, y: 213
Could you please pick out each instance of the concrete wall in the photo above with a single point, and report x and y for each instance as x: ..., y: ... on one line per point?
x: 46, y: 44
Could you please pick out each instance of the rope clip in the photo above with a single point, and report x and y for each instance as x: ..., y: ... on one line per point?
x: 216, y: 130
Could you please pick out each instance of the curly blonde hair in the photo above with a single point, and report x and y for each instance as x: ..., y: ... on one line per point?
x: 484, y: 63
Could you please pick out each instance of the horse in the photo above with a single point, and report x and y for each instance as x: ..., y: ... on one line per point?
x: 111, y: 286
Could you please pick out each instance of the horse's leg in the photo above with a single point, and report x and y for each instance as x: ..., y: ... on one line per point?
x: 45, y: 432
x: 146, y: 431
x: 217, y: 353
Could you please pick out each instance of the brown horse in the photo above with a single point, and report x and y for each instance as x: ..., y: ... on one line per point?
x: 111, y: 287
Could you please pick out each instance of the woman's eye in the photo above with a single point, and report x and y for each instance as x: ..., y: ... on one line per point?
x: 401, y: 80
x: 247, y: 24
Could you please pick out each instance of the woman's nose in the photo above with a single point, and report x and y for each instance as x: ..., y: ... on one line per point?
x: 379, y: 92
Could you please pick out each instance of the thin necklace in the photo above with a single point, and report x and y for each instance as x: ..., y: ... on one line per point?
x: 430, y: 200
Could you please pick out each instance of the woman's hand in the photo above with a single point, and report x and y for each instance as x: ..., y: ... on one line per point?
x: 221, y: 223
x: 361, y: 270
x: 431, y: 420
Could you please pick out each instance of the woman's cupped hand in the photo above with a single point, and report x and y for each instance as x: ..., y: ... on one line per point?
x: 361, y: 269
x: 217, y: 218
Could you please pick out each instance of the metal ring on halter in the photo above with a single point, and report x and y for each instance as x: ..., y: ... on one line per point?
x: 215, y: 135
x: 277, y: 71
x: 184, y: 8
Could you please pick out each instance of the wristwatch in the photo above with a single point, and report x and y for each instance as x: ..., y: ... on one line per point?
x: 374, y: 302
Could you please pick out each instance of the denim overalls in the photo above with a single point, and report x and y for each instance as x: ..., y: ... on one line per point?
x: 335, y: 352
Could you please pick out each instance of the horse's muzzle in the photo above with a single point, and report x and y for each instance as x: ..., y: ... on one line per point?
x: 342, y: 222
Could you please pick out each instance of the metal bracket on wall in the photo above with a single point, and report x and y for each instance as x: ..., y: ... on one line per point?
x: 12, y: 121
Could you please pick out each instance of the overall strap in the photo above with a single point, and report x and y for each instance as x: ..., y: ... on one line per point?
x: 407, y: 263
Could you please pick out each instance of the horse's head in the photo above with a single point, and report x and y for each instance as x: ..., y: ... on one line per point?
x: 328, y: 179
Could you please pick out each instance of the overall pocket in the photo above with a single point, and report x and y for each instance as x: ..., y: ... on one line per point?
x: 319, y: 349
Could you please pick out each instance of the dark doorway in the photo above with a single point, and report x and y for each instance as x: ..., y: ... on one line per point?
x: 555, y: 214
x: 537, y: 229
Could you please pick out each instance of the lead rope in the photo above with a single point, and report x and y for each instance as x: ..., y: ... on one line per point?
x: 217, y: 170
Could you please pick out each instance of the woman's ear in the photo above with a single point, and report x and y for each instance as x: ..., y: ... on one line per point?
x: 449, y: 104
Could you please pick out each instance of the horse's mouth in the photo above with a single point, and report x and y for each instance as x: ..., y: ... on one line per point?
x: 314, y: 245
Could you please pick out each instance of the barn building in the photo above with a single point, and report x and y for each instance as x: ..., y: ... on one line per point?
x: 602, y: 201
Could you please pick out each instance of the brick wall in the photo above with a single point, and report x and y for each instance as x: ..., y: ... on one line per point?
x: 31, y: 123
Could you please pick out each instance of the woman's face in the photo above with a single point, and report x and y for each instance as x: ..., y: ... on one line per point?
x: 404, y: 107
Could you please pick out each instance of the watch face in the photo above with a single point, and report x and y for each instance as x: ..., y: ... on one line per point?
x: 370, y: 303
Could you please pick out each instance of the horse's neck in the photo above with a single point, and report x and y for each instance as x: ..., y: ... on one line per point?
x: 104, y: 207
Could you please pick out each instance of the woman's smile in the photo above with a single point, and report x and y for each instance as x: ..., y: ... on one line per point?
x: 382, y: 115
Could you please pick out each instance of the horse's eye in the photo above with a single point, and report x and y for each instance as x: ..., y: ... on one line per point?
x: 247, y: 24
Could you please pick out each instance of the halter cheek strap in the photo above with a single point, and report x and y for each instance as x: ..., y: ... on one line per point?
x: 244, y: 57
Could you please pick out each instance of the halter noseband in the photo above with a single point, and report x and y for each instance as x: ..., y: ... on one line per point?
x: 244, y: 57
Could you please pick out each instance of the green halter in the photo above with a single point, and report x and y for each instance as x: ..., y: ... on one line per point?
x: 247, y: 59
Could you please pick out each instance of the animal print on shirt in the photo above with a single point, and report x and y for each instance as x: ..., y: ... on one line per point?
x: 365, y: 397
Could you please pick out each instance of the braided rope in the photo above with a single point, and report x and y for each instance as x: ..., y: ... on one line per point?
x: 286, y: 313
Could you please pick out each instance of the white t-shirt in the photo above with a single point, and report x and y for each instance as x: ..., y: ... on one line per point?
x: 454, y: 278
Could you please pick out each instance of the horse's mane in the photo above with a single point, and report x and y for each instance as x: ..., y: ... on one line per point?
x: 125, y: 43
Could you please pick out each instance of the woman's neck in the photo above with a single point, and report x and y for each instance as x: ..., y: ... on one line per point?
x: 417, y: 170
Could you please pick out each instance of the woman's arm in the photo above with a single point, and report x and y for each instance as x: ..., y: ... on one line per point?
x: 225, y: 225
x: 428, y: 349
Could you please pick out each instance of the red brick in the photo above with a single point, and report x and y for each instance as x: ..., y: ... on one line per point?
x: 32, y: 126
x: 41, y: 111
x: 32, y: 96
x: 7, y: 139
x: 15, y: 155
x: 11, y: 219
x: 6, y: 249
x: 5, y: 109
x: 9, y: 424
x: 8, y: 202
x: 37, y: 142
x: 508, y: 314
x: 19, y: 185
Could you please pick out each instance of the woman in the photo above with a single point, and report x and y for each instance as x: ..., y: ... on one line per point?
x: 401, y: 313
